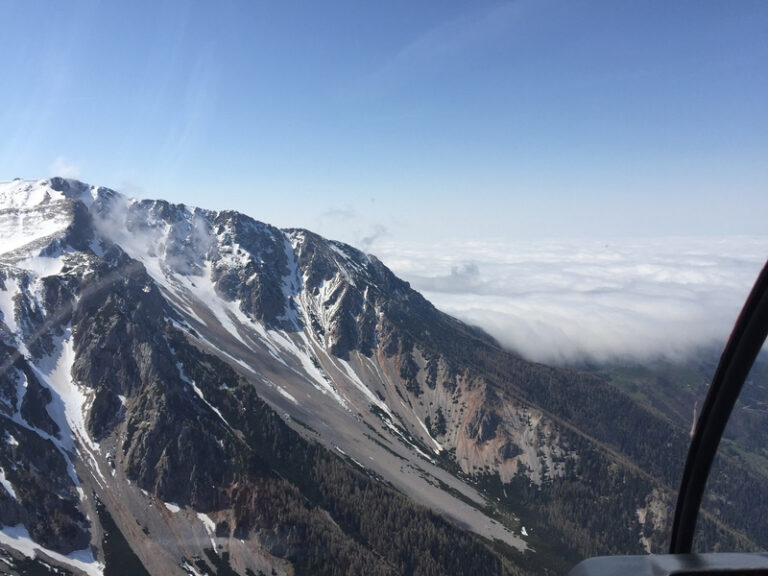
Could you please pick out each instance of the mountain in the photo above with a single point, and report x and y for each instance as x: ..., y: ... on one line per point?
x: 186, y: 391
x: 674, y: 388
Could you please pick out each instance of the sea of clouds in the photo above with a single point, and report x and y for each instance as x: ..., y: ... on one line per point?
x: 564, y: 301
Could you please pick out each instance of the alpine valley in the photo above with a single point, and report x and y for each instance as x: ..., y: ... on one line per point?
x: 185, y: 391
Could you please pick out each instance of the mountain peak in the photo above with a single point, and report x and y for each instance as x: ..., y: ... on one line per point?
x: 20, y: 194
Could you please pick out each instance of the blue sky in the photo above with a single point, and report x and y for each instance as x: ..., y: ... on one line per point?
x: 408, y: 120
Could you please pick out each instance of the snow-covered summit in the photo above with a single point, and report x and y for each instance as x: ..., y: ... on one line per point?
x: 20, y: 194
x: 33, y: 210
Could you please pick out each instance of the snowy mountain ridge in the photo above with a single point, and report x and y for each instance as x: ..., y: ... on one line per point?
x: 299, y: 315
x: 169, y: 373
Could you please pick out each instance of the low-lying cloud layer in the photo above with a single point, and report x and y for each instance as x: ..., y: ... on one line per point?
x: 565, y: 301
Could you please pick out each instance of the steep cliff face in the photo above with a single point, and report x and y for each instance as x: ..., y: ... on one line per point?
x: 328, y: 303
x: 221, y: 395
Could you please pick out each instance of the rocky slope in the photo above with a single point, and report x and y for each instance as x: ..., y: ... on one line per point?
x: 185, y: 391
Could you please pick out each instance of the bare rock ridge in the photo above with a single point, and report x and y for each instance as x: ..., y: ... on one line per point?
x: 184, y: 391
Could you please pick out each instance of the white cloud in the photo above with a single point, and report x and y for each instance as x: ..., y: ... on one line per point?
x: 64, y: 168
x: 562, y: 301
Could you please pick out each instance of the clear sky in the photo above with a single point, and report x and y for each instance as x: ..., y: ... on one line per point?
x: 402, y: 120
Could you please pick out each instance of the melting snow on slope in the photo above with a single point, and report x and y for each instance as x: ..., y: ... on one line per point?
x: 189, y: 569
x: 202, y: 288
x: 56, y: 372
x: 17, y: 538
x: 283, y: 392
x: 290, y: 284
x: 438, y: 446
x: 68, y: 402
x: 244, y: 319
x: 316, y: 304
x: 7, y: 485
x: 319, y: 380
x: 7, y: 304
x: 370, y: 396
x: 210, y: 527
x: 231, y: 254
x: 21, y: 390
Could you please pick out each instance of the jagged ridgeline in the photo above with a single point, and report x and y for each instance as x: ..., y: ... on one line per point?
x: 184, y: 391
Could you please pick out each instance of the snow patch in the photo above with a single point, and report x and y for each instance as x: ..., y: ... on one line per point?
x: 7, y: 306
x: 283, y: 392
x: 55, y: 371
x: 21, y: 390
x: 291, y: 284
x: 438, y: 446
x: 21, y: 194
x: 189, y: 569
x: 231, y: 254
x: 210, y: 527
x: 68, y: 405
x: 42, y: 266
x: 203, y: 289
x: 370, y: 396
x: 18, y: 538
x: 29, y: 214
x: 7, y: 485
x: 318, y: 378
x: 172, y: 506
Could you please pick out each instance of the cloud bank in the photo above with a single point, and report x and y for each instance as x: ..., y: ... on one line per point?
x: 566, y: 301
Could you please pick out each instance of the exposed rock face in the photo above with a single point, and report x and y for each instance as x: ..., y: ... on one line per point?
x: 43, y: 496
